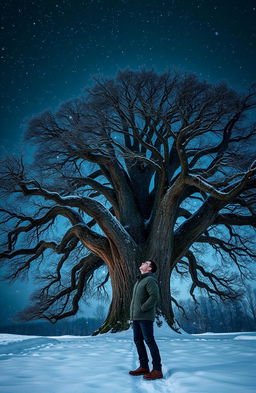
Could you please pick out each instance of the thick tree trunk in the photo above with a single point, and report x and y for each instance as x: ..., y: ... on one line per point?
x: 118, y: 315
x: 119, y: 311
x: 165, y: 296
x: 159, y: 247
x: 123, y: 271
x: 123, y: 277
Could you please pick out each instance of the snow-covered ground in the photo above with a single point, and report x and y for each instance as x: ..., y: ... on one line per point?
x: 203, y: 363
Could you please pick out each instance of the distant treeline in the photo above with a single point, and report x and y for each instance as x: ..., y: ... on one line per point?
x: 215, y: 316
x: 207, y: 316
x: 74, y: 327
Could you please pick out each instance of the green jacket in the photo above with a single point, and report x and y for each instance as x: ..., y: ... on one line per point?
x: 144, y: 298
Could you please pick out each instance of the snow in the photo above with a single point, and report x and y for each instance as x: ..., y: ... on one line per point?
x: 200, y: 363
x: 245, y: 338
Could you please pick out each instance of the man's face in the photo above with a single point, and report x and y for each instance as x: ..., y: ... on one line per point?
x: 145, y: 267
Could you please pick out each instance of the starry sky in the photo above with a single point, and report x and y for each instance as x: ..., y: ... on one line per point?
x: 51, y: 49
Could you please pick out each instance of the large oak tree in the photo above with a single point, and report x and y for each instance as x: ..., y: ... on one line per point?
x: 142, y: 166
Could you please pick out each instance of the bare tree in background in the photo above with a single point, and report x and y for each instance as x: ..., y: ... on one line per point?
x: 142, y: 166
x: 100, y: 312
x: 250, y: 301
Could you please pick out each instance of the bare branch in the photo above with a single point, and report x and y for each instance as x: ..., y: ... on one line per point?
x: 237, y: 187
x: 217, y: 282
x: 53, y: 306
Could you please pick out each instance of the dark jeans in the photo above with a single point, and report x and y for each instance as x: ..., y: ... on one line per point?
x: 143, y: 331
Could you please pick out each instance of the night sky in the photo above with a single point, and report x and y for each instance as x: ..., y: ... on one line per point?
x: 51, y: 49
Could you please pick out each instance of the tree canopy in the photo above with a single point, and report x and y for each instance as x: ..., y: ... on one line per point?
x: 141, y: 166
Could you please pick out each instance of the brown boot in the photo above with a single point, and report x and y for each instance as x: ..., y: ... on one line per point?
x: 139, y: 371
x: 154, y: 374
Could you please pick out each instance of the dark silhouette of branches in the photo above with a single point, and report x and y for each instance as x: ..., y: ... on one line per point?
x: 140, y: 166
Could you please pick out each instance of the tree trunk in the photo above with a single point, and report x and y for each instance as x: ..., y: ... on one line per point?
x: 123, y: 271
x: 123, y: 276
x: 159, y: 248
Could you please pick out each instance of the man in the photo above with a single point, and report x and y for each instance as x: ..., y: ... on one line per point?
x: 142, y: 313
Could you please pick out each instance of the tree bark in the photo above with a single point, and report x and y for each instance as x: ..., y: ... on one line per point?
x: 122, y: 271
x: 123, y: 276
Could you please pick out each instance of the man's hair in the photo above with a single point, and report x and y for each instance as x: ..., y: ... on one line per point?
x: 153, y: 266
